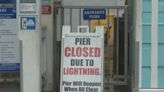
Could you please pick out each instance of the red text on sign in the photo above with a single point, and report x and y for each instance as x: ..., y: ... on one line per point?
x: 79, y: 52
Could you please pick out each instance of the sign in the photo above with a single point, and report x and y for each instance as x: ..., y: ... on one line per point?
x: 10, y: 67
x: 82, y: 62
x: 28, y: 7
x: 8, y: 27
x: 28, y: 23
x: 7, y: 13
x: 8, y: 9
x: 92, y: 14
x: 9, y: 55
x: 46, y: 9
x: 9, y: 44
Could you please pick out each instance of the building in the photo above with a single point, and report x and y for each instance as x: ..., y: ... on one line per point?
x: 149, y: 44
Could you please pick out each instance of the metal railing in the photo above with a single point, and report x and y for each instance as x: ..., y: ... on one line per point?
x: 72, y: 15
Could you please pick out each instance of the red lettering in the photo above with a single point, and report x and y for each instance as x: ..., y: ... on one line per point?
x: 67, y: 52
x: 81, y: 71
x: 85, y: 50
x: 97, y: 52
x: 79, y: 52
x: 91, y: 52
x: 71, y: 71
x: 97, y: 72
x: 73, y: 50
x: 65, y: 72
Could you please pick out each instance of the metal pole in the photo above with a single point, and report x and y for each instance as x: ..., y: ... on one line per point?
x: 108, y: 32
x: 89, y: 25
x: 71, y: 18
x: 62, y: 17
x: 125, y: 46
x: 117, y: 48
x: 54, y: 48
x: 108, y: 20
x: 108, y: 35
x: 80, y: 16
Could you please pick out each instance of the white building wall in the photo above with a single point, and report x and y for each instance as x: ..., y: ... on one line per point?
x: 47, y: 50
x: 47, y: 59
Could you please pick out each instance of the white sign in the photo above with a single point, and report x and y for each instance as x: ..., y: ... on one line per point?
x: 8, y: 27
x: 9, y: 46
x: 9, y: 54
x: 9, y: 51
x: 28, y: 7
x: 82, y: 62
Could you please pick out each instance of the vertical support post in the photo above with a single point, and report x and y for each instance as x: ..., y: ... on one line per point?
x: 90, y: 26
x: 30, y: 35
x: 108, y: 34
x: 55, y: 72
x: 117, y: 48
x: 139, y: 5
x: 80, y: 16
x: 125, y: 45
x: 62, y: 17
x: 108, y: 16
x: 154, y: 45
x: 71, y: 18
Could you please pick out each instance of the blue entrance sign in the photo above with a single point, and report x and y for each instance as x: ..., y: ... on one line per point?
x: 8, y: 13
x: 28, y: 23
x: 92, y: 14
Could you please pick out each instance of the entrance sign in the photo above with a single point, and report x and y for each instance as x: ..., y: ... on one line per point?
x: 82, y: 61
x: 92, y: 14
